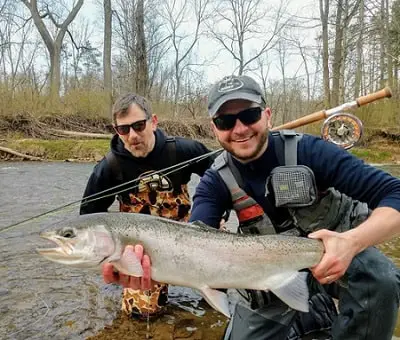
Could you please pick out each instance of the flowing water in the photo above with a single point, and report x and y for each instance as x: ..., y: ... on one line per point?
x: 42, y: 300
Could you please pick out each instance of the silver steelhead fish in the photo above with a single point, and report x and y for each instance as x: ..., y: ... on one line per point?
x: 190, y: 255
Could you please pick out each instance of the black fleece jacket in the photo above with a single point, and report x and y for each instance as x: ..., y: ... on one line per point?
x: 103, y: 177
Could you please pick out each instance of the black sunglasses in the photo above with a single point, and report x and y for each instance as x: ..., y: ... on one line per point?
x: 124, y: 129
x: 247, y: 117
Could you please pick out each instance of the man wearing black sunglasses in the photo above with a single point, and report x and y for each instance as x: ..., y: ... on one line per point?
x: 137, y: 149
x: 302, y: 185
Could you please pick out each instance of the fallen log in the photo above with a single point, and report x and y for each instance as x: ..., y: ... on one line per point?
x: 83, y: 134
x: 18, y: 154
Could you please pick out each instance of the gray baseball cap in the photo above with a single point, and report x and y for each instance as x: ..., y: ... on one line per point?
x: 234, y: 87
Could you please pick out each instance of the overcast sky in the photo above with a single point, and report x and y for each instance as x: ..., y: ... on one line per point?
x: 224, y: 64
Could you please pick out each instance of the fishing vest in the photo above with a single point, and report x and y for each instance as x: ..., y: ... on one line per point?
x: 154, y: 194
x: 293, y: 187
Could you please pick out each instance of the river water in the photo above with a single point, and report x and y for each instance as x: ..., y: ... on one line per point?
x: 42, y: 300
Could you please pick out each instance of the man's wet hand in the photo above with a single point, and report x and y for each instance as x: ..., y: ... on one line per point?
x: 339, y: 252
x: 111, y: 275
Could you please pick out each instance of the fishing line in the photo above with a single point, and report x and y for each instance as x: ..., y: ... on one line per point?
x: 95, y: 197
x: 165, y: 172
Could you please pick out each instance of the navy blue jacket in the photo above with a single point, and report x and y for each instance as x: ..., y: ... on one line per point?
x: 103, y: 177
x: 332, y: 167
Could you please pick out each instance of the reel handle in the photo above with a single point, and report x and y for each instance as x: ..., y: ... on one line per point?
x: 369, y: 98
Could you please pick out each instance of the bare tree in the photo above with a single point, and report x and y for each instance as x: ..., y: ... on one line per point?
x: 283, y: 60
x: 184, y: 22
x: 386, y: 42
x: 79, y: 55
x: 107, y: 76
x: 53, y: 45
x: 395, y: 42
x: 18, y: 48
x: 142, y: 47
x: 299, y: 45
x: 264, y: 66
x: 359, y: 51
x: 338, y: 53
x: 125, y: 37
x: 345, y: 11
x: 141, y: 74
x: 238, y: 23
x: 324, y: 14
x: 195, y: 93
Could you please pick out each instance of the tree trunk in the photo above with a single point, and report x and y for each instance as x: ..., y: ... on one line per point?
x: 324, y: 13
x: 55, y: 71
x: 382, y: 66
x: 107, y: 55
x: 177, y: 91
x: 388, y: 46
x: 337, y: 54
x: 141, y: 55
x: 359, y: 48
x: 343, y: 57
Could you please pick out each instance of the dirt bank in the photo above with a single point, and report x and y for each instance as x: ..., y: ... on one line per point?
x: 41, y: 138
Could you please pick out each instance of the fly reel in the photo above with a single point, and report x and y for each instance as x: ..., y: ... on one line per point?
x: 342, y: 129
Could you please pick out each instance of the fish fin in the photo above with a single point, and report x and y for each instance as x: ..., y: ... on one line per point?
x: 293, y: 290
x: 217, y: 300
x: 129, y: 264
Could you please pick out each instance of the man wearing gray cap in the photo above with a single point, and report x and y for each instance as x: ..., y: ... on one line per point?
x: 285, y: 182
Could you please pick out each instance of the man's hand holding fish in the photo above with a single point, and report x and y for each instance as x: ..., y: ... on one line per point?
x: 110, y: 275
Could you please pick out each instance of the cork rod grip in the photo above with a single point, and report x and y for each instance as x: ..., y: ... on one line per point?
x: 311, y: 118
x: 369, y: 98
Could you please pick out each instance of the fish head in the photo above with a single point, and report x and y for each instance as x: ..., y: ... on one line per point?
x: 79, y: 246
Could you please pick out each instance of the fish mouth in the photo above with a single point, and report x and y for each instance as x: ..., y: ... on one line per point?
x: 64, y: 249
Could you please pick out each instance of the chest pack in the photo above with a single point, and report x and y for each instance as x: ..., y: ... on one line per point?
x: 292, y: 185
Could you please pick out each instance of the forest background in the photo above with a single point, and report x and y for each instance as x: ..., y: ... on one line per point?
x: 63, y: 62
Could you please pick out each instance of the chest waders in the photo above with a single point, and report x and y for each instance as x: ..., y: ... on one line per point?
x: 290, y: 186
x: 154, y: 195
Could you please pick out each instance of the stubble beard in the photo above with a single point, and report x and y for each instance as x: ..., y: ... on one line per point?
x: 137, y: 152
x: 143, y: 150
x: 260, y: 148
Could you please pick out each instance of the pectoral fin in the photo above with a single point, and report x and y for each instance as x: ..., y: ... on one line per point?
x: 292, y: 289
x: 217, y: 300
x: 129, y: 264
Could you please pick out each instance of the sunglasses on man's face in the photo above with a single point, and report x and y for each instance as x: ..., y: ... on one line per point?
x: 124, y: 129
x: 249, y: 116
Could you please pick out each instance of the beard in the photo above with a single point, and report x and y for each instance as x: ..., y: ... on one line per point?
x: 140, y: 151
x: 248, y: 155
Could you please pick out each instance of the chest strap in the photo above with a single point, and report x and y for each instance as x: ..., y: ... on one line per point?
x: 251, y: 216
x: 285, y: 142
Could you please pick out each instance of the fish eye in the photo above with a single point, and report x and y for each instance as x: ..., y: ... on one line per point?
x: 68, y: 233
